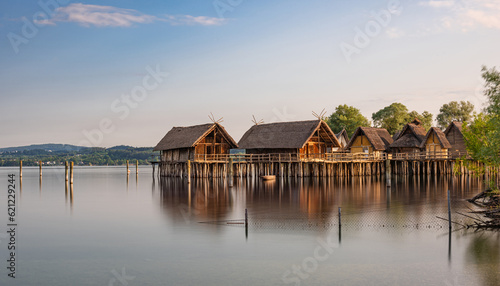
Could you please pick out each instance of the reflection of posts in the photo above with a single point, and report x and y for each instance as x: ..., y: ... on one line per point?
x: 449, y: 247
x: 246, y: 223
x: 230, y: 172
x: 71, y: 197
x: 71, y: 172
x: 449, y: 211
x: 340, y: 224
x: 189, y: 171
x: 388, y: 172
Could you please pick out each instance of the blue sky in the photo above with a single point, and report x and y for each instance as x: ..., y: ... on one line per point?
x: 103, y: 73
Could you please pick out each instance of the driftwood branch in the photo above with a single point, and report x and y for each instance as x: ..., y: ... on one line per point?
x: 490, y: 200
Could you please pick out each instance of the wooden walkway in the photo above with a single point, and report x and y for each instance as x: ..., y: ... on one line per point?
x: 316, y: 165
x: 285, y: 158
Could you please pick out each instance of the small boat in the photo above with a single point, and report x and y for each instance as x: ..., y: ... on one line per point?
x: 268, y: 177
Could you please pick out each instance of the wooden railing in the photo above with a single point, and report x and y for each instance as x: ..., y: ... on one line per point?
x: 283, y: 157
x: 438, y: 155
x: 327, y: 157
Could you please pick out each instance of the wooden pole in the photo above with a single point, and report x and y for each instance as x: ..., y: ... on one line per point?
x: 449, y: 211
x: 340, y: 217
x: 71, y: 172
x: 40, y: 164
x: 21, y: 169
x: 66, y: 171
x: 136, y: 167
x: 246, y: 217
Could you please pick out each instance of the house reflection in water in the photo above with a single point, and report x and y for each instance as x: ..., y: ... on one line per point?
x: 364, y: 200
x: 202, y: 200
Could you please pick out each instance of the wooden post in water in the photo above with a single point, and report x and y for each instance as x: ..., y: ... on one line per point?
x: 21, y: 169
x: 189, y: 171
x: 40, y: 164
x: 449, y: 211
x: 71, y: 172
x: 66, y: 171
x: 246, y: 217
x: 136, y: 167
x: 340, y: 217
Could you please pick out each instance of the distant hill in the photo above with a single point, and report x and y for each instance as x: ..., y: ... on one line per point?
x: 46, y: 147
x: 120, y: 147
x: 57, y: 154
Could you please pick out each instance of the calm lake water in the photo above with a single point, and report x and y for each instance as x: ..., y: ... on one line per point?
x: 110, y: 230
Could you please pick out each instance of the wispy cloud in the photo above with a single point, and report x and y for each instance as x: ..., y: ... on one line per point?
x: 394, y: 33
x: 193, y: 20
x: 468, y: 14
x: 109, y: 16
x: 437, y: 4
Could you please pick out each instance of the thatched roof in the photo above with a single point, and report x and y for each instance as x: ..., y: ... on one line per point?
x: 406, y: 141
x: 396, y: 135
x: 285, y: 135
x: 342, y: 133
x: 378, y: 137
x: 411, y: 136
x: 440, y: 136
x: 455, y: 124
x: 186, y: 137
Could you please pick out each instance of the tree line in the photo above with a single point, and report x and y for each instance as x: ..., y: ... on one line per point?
x: 86, y: 157
x: 396, y: 115
x: 481, y: 130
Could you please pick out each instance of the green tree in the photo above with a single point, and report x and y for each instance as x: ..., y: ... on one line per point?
x: 347, y: 117
x: 482, y: 135
x: 425, y: 118
x: 454, y: 111
x: 392, y: 117
x: 396, y: 115
x: 492, y: 89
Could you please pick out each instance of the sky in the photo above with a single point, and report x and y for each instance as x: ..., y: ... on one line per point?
x: 106, y: 73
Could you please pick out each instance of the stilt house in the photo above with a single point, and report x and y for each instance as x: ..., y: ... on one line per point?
x: 343, y: 138
x: 410, y: 139
x: 435, y: 143
x: 195, y: 143
x: 454, y: 135
x: 369, y: 140
x: 310, y: 139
